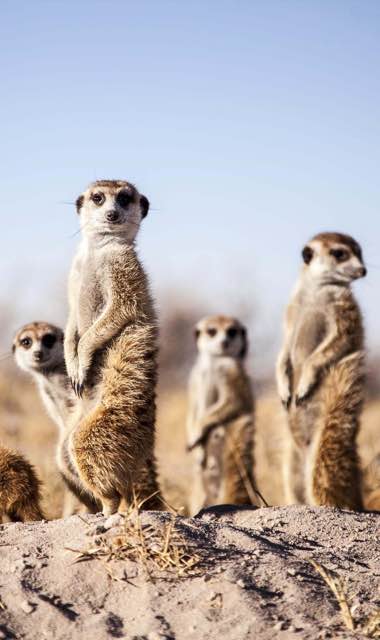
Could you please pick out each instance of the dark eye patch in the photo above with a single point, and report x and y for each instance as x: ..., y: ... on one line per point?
x: 231, y: 332
x: 98, y: 198
x: 49, y: 340
x: 340, y: 254
x: 124, y: 198
x: 26, y: 342
x: 211, y: 332
x: 307, y: 254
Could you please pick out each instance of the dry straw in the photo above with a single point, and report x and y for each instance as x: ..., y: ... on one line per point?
x: 369, y: 628
x: 159, y: 548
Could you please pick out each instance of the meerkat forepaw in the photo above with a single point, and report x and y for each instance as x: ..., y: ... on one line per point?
x: 76, y: 374
x: 306, y: 385
x: 78, y: 388
x: 284, y: 392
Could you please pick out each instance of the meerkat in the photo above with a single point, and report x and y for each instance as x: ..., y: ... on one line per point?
x: 19, y: 488
x: 371, y: 485
x: 220, y: 418
x: 111, y: 350
x: 38, y: 350
x: 320, y: 376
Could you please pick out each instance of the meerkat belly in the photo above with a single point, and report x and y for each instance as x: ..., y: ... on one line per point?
x: 308, y: 334
x: 91, y: 301
x: 208, y: 392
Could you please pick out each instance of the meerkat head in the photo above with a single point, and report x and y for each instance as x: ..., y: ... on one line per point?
x: 221, y: 336
x: 38, y: 347
x: 333, y: 258
x: 112, y: 208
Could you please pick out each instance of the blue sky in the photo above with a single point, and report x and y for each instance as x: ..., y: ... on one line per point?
x: 249, y: 125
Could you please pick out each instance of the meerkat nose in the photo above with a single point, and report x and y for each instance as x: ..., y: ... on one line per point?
x: 112, y: 216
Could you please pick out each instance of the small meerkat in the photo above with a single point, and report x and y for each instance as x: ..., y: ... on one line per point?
x: 38, y: 350
x: 111, y: 350
x: 320, y: 376
x: 220, y: 417
x: 19, y: 488
x: 371, y: 485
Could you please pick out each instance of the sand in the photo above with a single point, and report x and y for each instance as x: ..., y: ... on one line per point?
x: 254, y: 578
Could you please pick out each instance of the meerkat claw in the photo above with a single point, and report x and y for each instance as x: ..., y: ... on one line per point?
x: 79, y: 387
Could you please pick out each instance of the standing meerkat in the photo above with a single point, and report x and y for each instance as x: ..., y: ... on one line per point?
x: 220, y: 418
x: 320, y: 376
x: 19, y: 488
x: 38, y: 350
x: 111, y: 350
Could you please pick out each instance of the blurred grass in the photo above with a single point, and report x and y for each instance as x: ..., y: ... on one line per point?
x: 24, y: 425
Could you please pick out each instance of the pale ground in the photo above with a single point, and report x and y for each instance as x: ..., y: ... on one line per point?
x: 255, y: 578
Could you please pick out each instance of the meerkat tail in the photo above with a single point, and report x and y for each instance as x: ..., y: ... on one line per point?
x: 239, y: 485
x: 371, y: 485
x: 113, y: 445
x: 335, y: 471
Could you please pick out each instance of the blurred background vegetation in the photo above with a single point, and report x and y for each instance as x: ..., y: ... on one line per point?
x: 24, y: 424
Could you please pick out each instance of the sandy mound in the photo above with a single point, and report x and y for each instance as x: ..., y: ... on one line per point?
x: 253, y: 576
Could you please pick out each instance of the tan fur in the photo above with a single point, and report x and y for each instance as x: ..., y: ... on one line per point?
x: 220, y: 421
x: 320, y: 378
x: 371, y: 485
x: 49, y: 372
x: 111, y: 356
x: 19, y: 488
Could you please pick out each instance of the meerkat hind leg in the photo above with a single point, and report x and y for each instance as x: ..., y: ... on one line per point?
x: 293, y: 470
x: 110, y: 505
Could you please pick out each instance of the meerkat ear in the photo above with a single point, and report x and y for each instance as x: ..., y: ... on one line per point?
x: 144, y: 204
x: 197, y: 333
x: 79, y: 203
x: 13, y: 347
x: 244, y: 349
x: 307, y: 254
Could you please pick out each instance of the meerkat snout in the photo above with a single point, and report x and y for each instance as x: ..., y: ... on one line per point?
x: 113, y: 216
x: 333, y: 257
x: 221, y: 336
x: 112, y: 207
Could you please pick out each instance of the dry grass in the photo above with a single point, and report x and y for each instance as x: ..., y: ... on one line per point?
x: 370, y: 627
x: 24, y: 425
x: 159, y: 549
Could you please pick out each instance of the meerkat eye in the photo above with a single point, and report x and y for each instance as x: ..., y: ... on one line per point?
x: 211, y: 332
x: 339, y: 254
x: 98, y: 198
x: 231, y: 332
x: 26, y: 342
x: 49, y: 340
x: 123, y: 199
x: 307, y: 255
